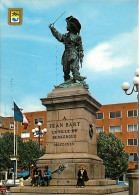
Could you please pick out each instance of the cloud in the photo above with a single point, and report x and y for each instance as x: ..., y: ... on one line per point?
x: 41, y: 4
x: 31, y: 104
x: 33, y: 5
x: 5, y: 3
x: 28, y: 104
x: 25, y: 54
x: 32, y: 21
x: 28, y: 37
x: 8, y: 32
x: 5, y: 110
x: 120, y: 51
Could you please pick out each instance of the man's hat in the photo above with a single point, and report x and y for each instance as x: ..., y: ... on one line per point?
x: 75, y: 22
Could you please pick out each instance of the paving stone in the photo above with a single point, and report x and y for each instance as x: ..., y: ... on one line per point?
x: 15, y: 189
x: 69, y: 190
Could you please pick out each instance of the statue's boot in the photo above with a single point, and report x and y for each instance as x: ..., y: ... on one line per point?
x: 80, y: 78
x: 67, y: 77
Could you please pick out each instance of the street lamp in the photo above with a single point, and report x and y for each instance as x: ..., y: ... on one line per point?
x: 125, y: 86
x: 37, y: 132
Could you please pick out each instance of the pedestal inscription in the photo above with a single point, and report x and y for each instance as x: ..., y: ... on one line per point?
x: 70, y: 111
x: 66, y: 131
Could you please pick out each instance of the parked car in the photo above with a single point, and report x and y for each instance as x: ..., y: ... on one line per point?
x: 123, y: 183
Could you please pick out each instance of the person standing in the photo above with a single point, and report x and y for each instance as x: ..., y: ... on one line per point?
x: 82, y: 176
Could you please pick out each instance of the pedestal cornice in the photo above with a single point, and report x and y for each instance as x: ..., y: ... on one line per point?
x: 74, y: 96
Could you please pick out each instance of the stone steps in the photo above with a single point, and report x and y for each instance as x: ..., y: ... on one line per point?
x: 88, y: 183
x: 73, y: 182
x: 119, y: 193
x: 68, y: 187
x: 93, y: 190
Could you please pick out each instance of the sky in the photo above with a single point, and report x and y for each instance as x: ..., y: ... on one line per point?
x: 30, y: 57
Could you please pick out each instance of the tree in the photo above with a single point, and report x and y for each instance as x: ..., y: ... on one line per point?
x: 111, y: 151
x: 7, y: 149
x: 28, y: 152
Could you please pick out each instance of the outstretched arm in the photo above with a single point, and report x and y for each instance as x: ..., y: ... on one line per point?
x: 55, y: 33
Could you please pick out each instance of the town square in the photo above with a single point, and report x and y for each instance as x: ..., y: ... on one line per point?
x: 69, y: 121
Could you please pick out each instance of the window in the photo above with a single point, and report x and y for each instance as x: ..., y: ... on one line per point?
x: 132, y: 142
x: 115, y: 129
x: 132, y: 128
x: 99, y: 129
x: 38, y: 120
x: 132, y: 113
x: 115, y: 114
x: 11, y: 125
x: 0, y: 124
x: 25, y: 134
x: 133, y: 157
x: 99, y: 115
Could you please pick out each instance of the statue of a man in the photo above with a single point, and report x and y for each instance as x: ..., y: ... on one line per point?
x: 73, y: 53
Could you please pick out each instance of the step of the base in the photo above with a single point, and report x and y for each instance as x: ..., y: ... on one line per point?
x: 119, y: 193
x: 69, y: 190
x: 64, y: 182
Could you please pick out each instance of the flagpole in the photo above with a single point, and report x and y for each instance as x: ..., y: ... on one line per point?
x: 16, y: 145
x: 14, y: 137
x: 14, y: 149
x: 14, y: 153
x: 18, y: 116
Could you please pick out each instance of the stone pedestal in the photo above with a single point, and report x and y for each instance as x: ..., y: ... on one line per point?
x: 70, y: 111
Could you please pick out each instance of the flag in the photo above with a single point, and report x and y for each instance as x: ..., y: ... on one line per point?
x: 25, y: 121
x: 18, y: 116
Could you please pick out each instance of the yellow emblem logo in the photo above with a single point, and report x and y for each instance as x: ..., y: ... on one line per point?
x: 15, y: 16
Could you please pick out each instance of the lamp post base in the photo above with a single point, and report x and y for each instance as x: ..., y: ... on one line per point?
x: 133, y: 182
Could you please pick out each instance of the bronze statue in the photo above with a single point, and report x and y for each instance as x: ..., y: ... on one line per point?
x: 73, y: 53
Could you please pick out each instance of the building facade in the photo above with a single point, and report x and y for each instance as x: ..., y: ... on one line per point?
x: 120, y: 119
x: 34, y: 118
x: 7, y: 124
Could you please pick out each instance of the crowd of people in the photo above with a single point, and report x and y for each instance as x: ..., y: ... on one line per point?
x: 39, y: 178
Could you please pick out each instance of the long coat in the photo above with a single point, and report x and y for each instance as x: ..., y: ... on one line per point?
x: 82, y: 176
x: 73, y: 47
